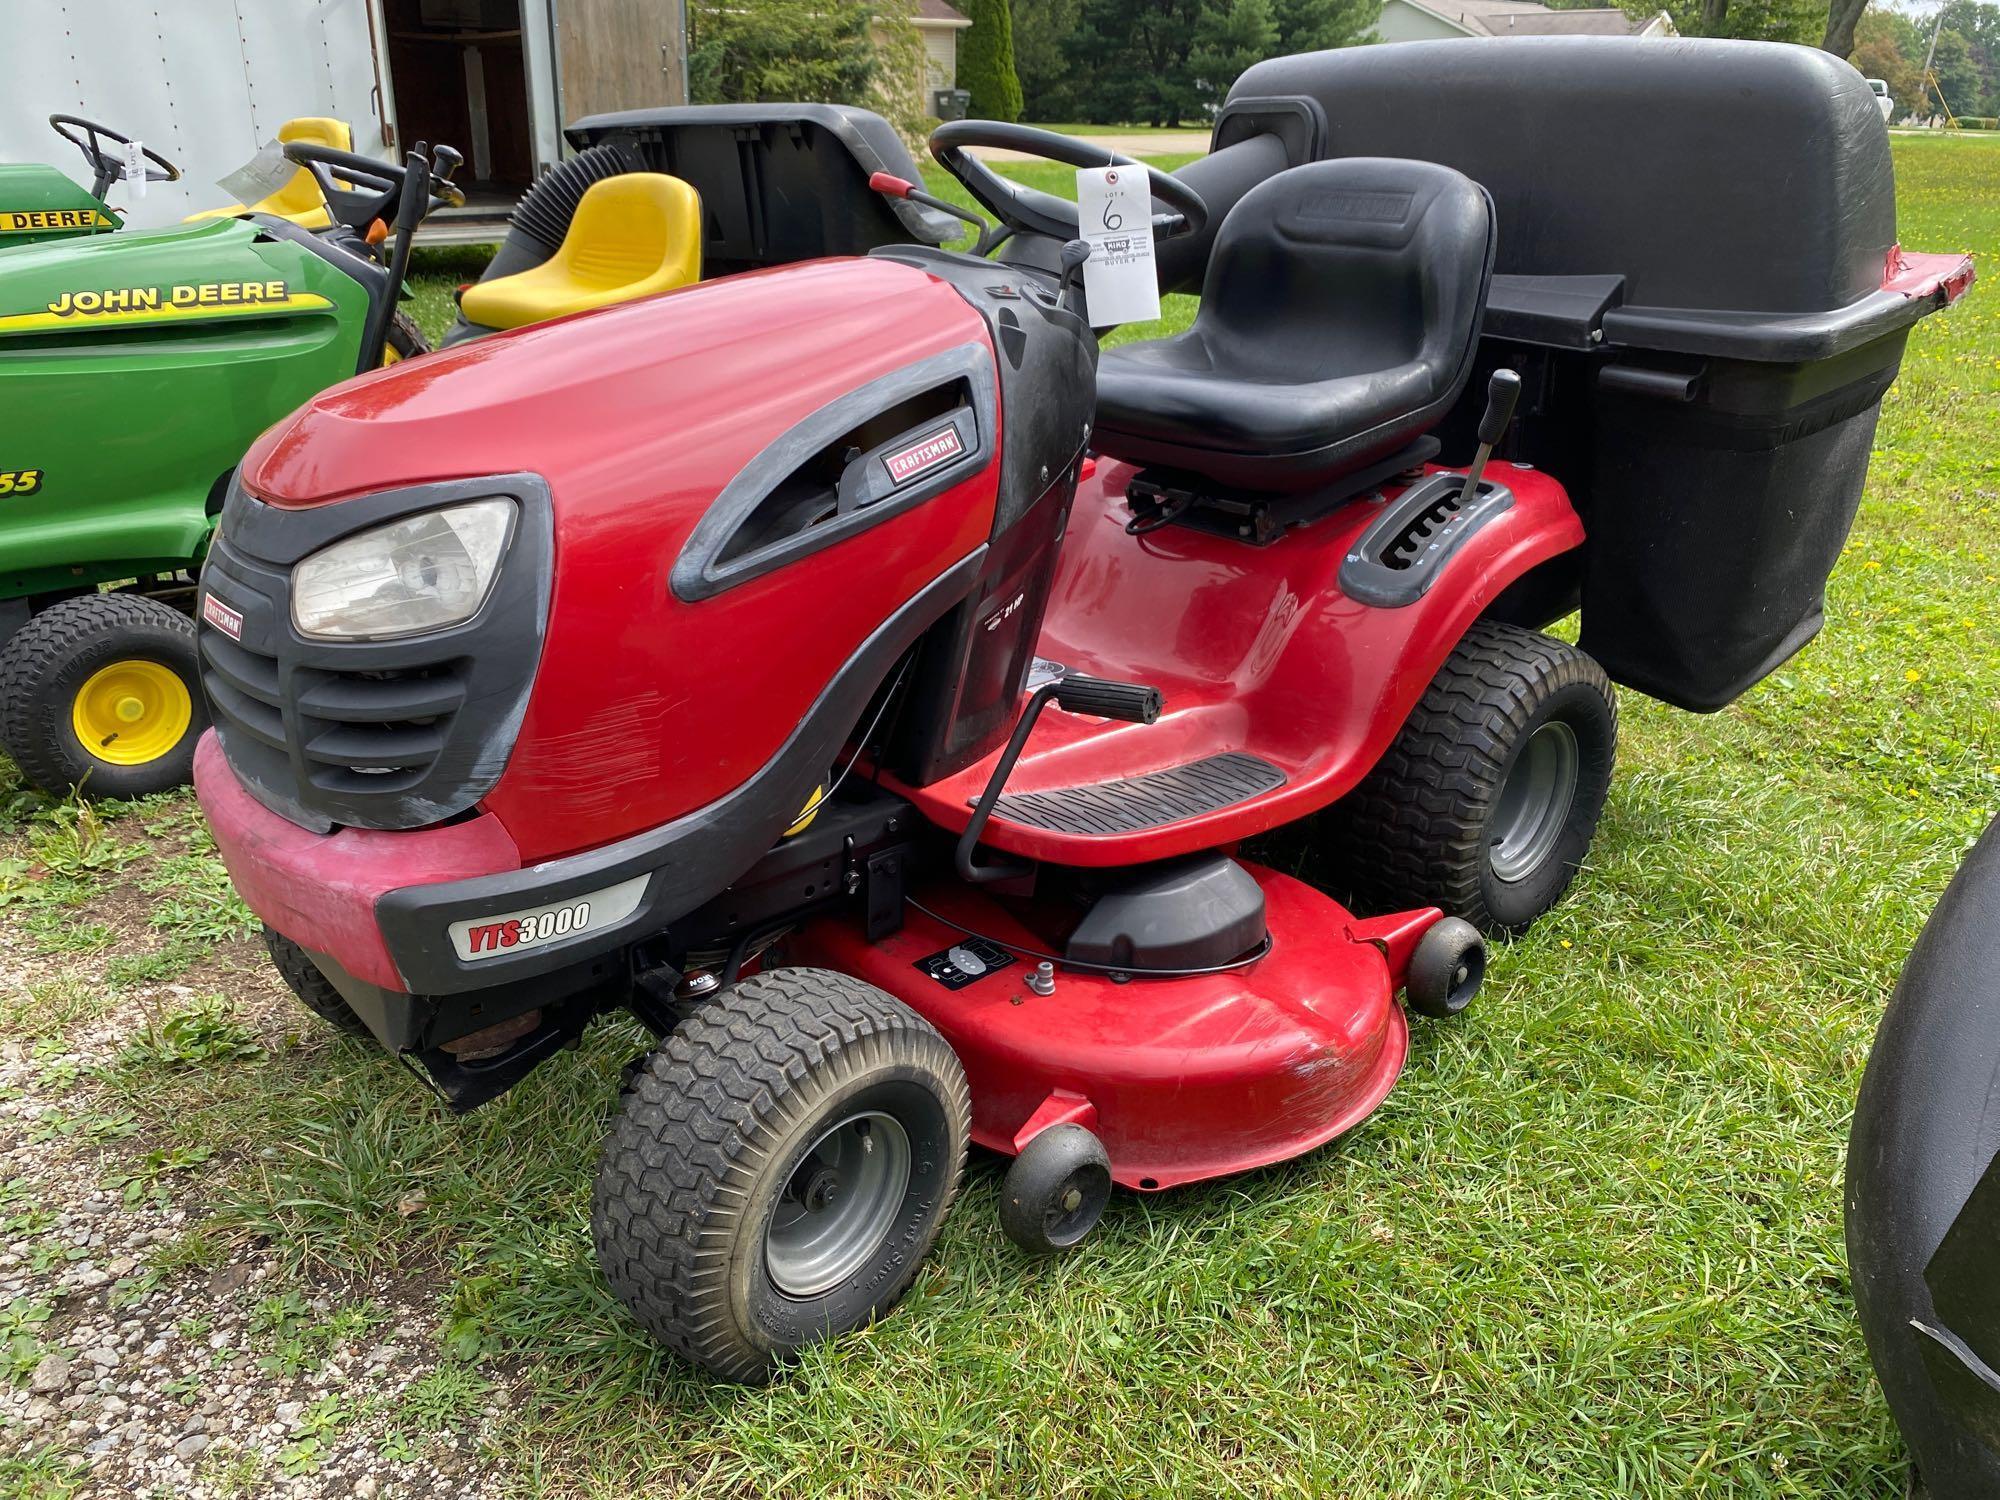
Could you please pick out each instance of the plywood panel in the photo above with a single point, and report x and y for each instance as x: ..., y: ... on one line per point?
x: 620, y: 54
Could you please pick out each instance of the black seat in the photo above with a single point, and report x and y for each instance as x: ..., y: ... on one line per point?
x: 1337, y: 325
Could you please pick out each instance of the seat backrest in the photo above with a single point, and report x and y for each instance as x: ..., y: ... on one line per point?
x: 635, y: 227
x: 301, y: 195
x: 1352, y: 266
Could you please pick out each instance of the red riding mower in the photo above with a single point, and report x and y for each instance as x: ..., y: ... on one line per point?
x: 845, y: 671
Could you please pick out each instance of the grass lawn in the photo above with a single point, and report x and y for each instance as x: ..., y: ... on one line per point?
x: 1591, y: 1246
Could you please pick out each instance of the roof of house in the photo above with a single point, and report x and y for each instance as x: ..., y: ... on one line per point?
x: 1525, y: 18
x: 939, y: 14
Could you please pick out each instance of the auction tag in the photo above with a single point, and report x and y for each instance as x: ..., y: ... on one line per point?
x: 261, y: 176
x: 1115, y: 215
x: 135, y: 168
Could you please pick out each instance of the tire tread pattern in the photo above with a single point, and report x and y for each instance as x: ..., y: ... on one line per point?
x: 702, y: 1117
x: 1411, y: 833
x: 33, y: 728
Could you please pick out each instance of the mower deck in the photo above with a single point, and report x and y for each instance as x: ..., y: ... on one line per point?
x: 1182, y: 1079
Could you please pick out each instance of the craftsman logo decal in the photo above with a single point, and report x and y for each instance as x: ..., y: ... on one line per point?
x: 159, y: 304
x: 538, y: 926
x: 41, y: 220
x: 20, y: 481
x: 925, y: 454
x: 222, y: 617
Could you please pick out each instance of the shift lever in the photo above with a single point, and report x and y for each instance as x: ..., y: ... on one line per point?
x: 1502, y: 391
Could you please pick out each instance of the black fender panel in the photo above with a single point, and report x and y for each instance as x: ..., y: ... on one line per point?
x: 1925, y: 1136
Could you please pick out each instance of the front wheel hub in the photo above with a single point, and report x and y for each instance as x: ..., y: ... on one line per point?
x: 839, y: 1205
x: 131, y: 712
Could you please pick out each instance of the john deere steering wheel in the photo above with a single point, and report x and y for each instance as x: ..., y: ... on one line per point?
x: 1028, y: 210
x: 105, y: 167
x: 359, y: 189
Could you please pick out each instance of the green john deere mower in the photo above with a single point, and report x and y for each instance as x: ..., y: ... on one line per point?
x: 135, y: 369
x: 39, y: 203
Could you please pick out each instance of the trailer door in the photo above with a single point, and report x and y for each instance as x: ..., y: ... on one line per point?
x: 204, y: 85
x: 621, y: 54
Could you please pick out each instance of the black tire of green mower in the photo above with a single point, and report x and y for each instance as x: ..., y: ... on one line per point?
x: 1416, y: 832
x: 48, y: 660
x: 303, y: 978
x: 713, y: 1129
x: 405, y: 338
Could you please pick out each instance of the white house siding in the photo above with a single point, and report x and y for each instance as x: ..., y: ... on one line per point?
x: 940, y: 56
x: 1406, y: 23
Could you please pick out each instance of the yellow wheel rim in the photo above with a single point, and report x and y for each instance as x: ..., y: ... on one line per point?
x: 132, y: 712
x: 390, y: 355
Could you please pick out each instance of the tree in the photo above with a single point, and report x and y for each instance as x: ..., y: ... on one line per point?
x: 1886, y: 47
x: 1958, y: 77
x: 986, y: 61
x: 1760, y: 20
x: 1044, y: 32
x: 1229, y: 35
x: 900, y: 88
x: 746, y: 51
x: 1134, y: 54
x: 1310, y: 25
x: 1842, y: 16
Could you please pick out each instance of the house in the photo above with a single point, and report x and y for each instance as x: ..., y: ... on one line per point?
x: 1438, y: 20
x: 939, y: 25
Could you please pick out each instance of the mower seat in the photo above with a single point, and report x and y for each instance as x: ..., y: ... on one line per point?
x: 1337, y: 325
x: 300, y: 199
x: 633, y: 235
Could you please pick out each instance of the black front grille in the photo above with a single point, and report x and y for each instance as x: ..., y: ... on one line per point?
x: 370, y: 734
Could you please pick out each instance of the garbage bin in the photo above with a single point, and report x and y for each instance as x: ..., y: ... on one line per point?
x: 950, y: 104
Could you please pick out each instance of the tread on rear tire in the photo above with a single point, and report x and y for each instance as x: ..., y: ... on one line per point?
x: 712, y: 1142
x: 1419, y: 829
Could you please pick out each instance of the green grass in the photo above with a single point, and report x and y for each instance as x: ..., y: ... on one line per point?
x: 1591, y: 1245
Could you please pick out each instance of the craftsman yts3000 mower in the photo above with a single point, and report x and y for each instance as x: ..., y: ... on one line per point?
x: 843, y: 669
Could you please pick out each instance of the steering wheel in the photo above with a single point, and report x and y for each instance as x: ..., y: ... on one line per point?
x: 366, y: 189
x: 1032, y: 211
x: 105, y: 167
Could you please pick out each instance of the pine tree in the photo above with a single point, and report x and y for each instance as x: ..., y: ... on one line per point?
x: 986, y: 61
x: 1229, y: 35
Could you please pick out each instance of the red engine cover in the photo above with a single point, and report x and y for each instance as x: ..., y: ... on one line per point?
x: 646, y: 707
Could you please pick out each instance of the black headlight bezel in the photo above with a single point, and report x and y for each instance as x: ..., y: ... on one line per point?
x: 284, y: 702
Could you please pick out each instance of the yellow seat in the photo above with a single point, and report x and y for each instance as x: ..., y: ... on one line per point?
x: 300, y: 199
x: 633, y: 235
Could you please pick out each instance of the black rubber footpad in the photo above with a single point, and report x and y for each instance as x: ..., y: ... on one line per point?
x: 1150, y: 801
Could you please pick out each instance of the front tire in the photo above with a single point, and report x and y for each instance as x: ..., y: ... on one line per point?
x: 303, y: 978
x: 102, y: 694
x: 781, y: 1165
x: 1486, y: 803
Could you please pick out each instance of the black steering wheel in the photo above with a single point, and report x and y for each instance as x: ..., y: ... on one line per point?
x: 1031, y: 211
x: 105, y: 167
x: 366, y: 189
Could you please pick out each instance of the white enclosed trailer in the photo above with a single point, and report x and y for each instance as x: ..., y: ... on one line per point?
x: 208, y: 82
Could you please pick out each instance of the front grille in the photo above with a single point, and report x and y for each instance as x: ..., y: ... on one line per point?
x: 365, y: 732
x: 369, y: 734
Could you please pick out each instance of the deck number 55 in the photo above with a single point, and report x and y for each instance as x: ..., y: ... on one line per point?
x: 20, y: 481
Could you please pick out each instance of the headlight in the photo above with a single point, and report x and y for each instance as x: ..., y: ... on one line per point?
x: 421, y: 573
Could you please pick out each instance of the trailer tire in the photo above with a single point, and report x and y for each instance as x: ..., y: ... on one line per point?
x: 1486, y: 803
x: 801, y: 1092
x: 87, y: 666
x: 303, y: 978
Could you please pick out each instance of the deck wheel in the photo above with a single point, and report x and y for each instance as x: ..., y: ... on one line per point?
x: 1056, y: 1190
x: 1447, y: 968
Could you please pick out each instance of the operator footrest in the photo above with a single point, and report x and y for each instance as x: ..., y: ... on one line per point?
x: 1153, y: 800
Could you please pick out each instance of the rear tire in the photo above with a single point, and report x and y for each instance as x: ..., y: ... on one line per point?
x: 99, y: 666
x: 780, y: 1167
x: 1486, y: 803
x: 303, y: 978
